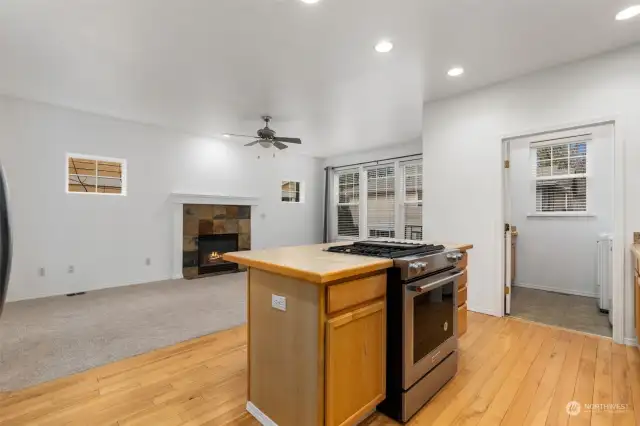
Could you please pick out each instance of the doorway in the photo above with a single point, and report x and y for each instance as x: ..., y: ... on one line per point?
x: 559, y: 208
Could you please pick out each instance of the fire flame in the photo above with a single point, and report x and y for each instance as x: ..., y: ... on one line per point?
x: 214, y: 256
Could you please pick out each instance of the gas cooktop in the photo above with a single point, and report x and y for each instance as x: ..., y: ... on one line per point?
x: 387, y: 249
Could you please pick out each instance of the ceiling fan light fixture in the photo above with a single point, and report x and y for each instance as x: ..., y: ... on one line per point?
x: 628, y: 13
x: 455, y: 71
x: 384, y: 46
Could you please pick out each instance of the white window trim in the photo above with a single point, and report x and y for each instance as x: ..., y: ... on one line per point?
x: 399, y: 221
x: 403, y: 200
x: 302, y: 188
x: 587, y: 138
x: 562, y: 214
x: 122, y: 161
x: 336, y: 203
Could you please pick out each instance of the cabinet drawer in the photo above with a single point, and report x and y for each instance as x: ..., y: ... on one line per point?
x: 463, y: 262
x: 462, y: 282
x: 462, y: 320
x: 352, y: 293
x: 462, y: 296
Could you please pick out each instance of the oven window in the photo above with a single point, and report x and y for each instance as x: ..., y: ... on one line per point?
x: 432, y: 320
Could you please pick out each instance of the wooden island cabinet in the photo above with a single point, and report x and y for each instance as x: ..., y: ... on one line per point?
x: 316, y: 335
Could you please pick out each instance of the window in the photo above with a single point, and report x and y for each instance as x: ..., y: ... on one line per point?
x: 561, y: 177
x: 379, y: 201
x: 412, y: 203
x: 381, y: 205
x: 291, y: 192
x: 348, y: 203
x: 96, y: 175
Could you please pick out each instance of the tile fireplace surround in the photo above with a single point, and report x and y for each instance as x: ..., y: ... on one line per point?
x: 204, y: 219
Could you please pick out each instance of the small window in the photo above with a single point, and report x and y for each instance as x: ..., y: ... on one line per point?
x: 291, y: 192
x: 561, y: 177
x: 95, y: 175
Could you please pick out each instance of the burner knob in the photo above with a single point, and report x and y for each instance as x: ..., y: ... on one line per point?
x: 422, y: 266
x: 414, y: 268
x: 454, y: 257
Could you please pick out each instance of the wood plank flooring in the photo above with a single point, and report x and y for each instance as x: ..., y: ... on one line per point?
x: 511, y: 372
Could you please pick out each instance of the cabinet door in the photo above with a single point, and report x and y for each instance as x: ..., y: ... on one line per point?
x: 355, y: 364
x: 637, y: 292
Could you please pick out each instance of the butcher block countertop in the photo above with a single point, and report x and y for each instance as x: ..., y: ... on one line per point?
x: 312, y: 263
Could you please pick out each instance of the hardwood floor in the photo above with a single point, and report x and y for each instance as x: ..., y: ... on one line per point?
x: 511, y: 372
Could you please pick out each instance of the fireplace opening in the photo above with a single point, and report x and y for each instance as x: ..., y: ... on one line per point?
x: 210, y: 251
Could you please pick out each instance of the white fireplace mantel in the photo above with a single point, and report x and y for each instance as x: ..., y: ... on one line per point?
x: 178, y: 199
x: 188, y: 198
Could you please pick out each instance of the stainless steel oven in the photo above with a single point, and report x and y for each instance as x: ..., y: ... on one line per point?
x: 422, y: 320
x: 430, y: 323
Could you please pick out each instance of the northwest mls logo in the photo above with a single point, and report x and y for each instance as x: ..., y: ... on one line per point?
x: 573, y: 408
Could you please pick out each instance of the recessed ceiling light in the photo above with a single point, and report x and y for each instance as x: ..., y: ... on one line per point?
x: 226, y: 135
x: 310, y: 1
x: 456, y: 71
x: 384, y: 46
x: 628, y: 13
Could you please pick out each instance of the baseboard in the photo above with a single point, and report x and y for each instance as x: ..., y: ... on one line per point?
x: 485, y: 311
x: 259, y: 415
x: 556, y: 290
x: 177, y: 277
x: 630, y: 341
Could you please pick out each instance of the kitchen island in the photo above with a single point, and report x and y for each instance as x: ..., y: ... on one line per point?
x: 316, y: 335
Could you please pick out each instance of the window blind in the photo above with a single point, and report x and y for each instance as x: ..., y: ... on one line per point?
x: 381, y: 201
x: 348, y: 205
x: 412, y: 206
x: 560, y: 173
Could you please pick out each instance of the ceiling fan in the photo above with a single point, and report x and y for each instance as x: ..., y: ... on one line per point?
x: 267, y: 137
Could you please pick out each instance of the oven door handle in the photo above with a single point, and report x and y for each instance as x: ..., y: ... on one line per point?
x: 435, y: 284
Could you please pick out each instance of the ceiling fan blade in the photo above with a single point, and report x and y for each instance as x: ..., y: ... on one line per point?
x: 239, y: 136
x: 279, y: 145
x: 288, y: 140
x: 252, y: 143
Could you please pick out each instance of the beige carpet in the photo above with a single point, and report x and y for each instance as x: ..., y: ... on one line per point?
x: 48, y: 338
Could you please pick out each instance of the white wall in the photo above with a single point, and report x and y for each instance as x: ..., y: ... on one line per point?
x: 559, y: 253
x: 108, y: 238
x: 463, y: 155
x: 397, y: 150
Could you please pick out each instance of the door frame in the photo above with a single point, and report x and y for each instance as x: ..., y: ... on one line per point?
x: 619, y: 251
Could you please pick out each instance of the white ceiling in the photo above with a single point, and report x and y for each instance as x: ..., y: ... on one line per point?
x: 214, y: 66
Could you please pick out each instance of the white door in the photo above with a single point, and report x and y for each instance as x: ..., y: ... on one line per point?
x: 507, y: 232
x: 507, y: 270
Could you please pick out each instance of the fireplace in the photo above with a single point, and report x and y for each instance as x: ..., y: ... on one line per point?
x: 208, y: 231
x: 210, y: 251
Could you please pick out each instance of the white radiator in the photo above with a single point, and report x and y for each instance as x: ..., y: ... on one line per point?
x: 604, y: 271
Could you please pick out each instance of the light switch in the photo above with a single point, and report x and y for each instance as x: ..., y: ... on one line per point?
x: 279, y: 302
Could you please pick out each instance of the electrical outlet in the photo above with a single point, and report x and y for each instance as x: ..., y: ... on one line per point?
x: 70, y: 269
x: 279, y: 302
x: 148, y: 261
x: 41, y: 272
